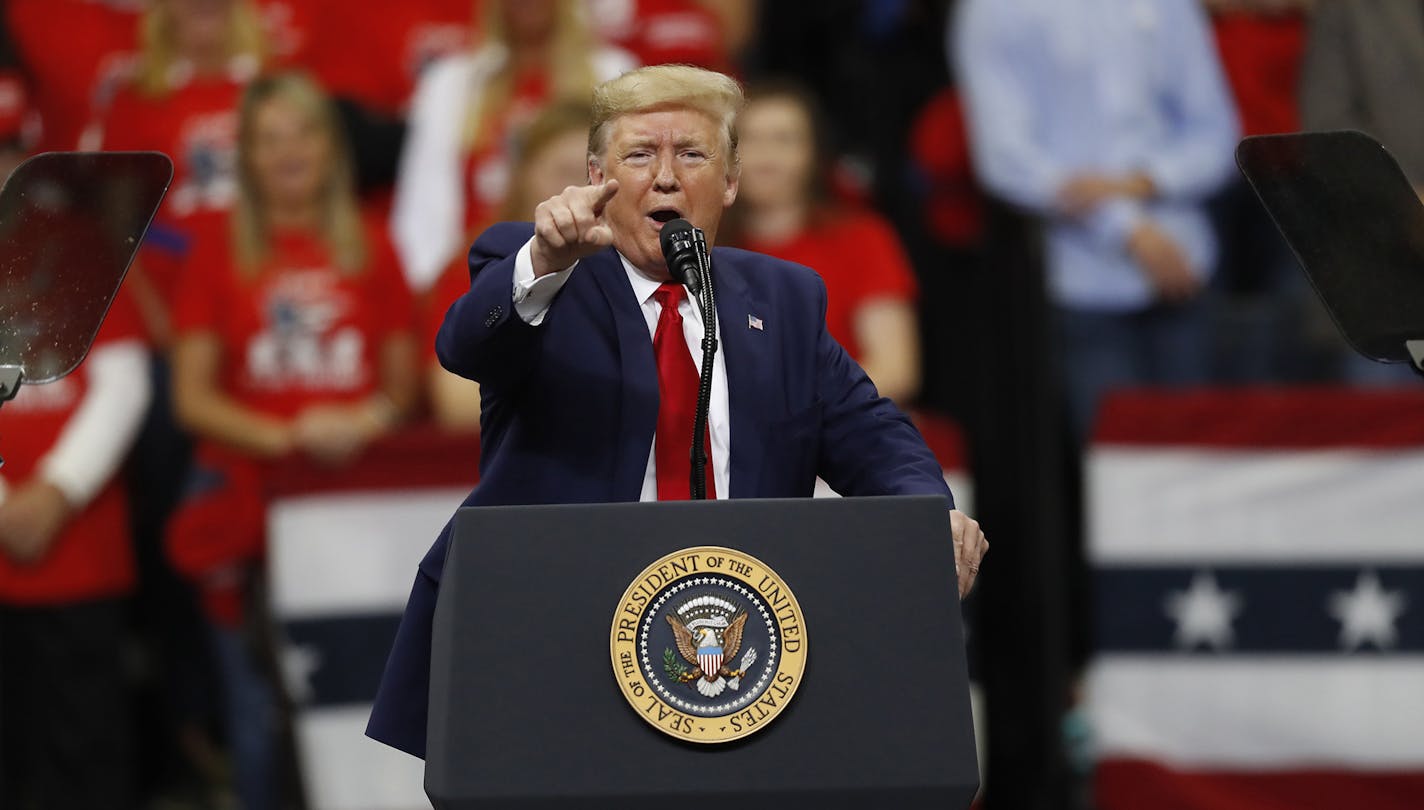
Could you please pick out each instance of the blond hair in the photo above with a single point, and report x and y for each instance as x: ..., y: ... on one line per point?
x: 570, y: 69
x: 158, y: 52
x: 659, y: 87
x: 341, y: 224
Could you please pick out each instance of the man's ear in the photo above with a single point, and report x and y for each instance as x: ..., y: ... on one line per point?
x: 734, y: 179
x: 595, y: 172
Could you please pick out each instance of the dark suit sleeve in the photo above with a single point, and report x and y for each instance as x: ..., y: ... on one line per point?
x: 868, y: 446
x: 483, y: 338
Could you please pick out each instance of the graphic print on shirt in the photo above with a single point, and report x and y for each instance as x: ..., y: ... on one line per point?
x: 307, y: 342
x: 208, y: 151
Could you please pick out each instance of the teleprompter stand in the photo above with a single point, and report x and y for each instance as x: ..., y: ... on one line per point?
x: 525, y: 711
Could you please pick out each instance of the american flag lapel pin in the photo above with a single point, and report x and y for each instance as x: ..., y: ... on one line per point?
x: 753, y: 322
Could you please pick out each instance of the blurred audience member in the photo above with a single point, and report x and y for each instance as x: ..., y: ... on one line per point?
x: 1110, y: 120
x: 370, y: 64
x: 377, y: 60
x: 66, y: 565
x: 706, y: 33
x: 294, y: 336
x: 950, y: 200
x: 197, y: 55
x: 75, y: 54
x: 782, y: 211
x: 1364, y: 66
x: 14, y: 104
x: 454, y: 170
x: 551, y: 154
x: 1364, y: 63
x: 1263, y: 301
x: 290, y: 28
x: 943, y: 223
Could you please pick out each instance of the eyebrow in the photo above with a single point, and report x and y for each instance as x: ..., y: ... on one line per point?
x: 646, y: 141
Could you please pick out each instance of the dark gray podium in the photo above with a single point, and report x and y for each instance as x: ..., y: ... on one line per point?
x: 525, y: 711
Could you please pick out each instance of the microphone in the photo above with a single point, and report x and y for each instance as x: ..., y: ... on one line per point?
x: 685, y: 250
x: 679, y: 240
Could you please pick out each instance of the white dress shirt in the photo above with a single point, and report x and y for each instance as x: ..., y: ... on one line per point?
x: 532, y: 298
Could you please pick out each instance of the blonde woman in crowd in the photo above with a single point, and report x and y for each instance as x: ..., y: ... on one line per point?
x: 293, y: 337
x: 551, y: 154
x: 454, y: 169
x: 195, y: 58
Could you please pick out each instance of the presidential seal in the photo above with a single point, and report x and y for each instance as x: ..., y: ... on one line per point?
x: 708, y: 644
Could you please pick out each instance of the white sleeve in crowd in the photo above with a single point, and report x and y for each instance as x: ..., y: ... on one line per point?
x: 428, y: 207
x: 99, y: 433
x: 532, y: 296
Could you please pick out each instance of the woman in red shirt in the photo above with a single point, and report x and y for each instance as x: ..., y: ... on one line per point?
x: 454, y: 167
x: 66, y: 568
x: 782, y: 211
x: 294, y: 335
x: 551, y: 154
x: 196, y: 57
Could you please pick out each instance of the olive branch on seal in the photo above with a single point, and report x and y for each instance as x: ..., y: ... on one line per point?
x: 672, y: 666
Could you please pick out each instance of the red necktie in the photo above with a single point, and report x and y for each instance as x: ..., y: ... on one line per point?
x: 677, y: 401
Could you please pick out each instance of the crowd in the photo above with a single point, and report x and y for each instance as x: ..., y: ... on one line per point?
x: 334, y: 160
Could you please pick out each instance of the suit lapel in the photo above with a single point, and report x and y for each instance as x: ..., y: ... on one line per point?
x: 638, y: 375
x: 746, y: 352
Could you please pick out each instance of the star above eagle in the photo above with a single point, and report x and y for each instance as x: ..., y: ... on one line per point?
x: 692, y: 640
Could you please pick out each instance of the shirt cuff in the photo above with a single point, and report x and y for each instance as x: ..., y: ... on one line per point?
x: 532, y: 296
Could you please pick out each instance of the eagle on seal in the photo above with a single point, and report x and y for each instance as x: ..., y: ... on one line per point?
x: 701, y: 648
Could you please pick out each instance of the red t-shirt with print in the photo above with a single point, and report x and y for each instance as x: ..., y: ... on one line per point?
x: 662, y: 31
x: 92, y: 556
x: 487, y: 168
x: 299, y: 331
x: 860, y: 258
x: 196, y: 125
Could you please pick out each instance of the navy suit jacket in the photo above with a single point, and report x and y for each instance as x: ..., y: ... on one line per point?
x: 570, y: 408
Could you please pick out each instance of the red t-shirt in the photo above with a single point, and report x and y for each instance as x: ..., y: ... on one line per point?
x: 76, y: 53
x: 953, y: 207
x: 300, y: 331
x: 197, y: 126
x: 377, y: 59
x: 859, y: 257
x: 290, y: 29
x: 92, y: 556
x: 14, y: 104
x: 487, y: 168
x: 1261, y: 54
x: 661, y: 31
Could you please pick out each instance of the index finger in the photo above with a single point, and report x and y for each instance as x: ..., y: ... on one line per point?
x: 599, y: 195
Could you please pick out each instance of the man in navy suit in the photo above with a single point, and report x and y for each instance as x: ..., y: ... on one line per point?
x: 586, y: 355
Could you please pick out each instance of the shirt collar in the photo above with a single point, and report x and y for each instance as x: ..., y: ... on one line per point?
x: 643, y: 287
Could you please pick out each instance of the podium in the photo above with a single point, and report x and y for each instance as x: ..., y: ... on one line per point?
x: 526, y: 710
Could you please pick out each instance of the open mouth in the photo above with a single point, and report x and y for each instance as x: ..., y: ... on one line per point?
x: 663, y: 216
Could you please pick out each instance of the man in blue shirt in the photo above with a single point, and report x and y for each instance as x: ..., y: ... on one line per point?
x: 1110, y: 120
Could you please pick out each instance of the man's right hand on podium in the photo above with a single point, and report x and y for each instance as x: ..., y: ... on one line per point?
x: 570, y: 226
